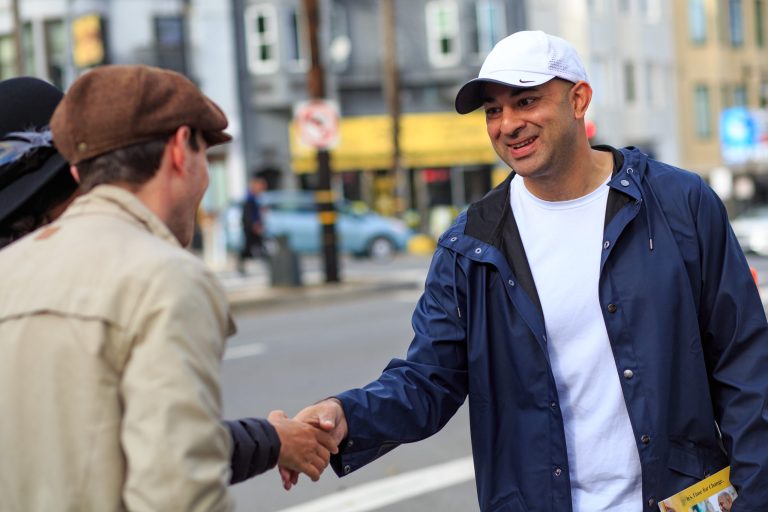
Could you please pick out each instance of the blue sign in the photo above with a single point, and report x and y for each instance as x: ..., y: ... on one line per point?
x: 742, y: 135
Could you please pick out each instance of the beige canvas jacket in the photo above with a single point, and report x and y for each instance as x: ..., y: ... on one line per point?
x: 111, y: 337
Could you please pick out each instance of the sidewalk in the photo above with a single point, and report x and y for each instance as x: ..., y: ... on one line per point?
x: 253, y: 289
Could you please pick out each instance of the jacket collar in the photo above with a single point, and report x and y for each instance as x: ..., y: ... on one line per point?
x: 492, y: 221
x: 487, y: 217
x: 117, y: 201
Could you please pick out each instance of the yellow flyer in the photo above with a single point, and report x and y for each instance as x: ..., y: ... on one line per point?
x: 713, y: 494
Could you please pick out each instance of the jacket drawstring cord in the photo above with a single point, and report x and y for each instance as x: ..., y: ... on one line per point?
x: 455, y: 291
x: 649, y: 226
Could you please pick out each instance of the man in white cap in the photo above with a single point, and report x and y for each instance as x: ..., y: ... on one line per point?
x: 595, y: 308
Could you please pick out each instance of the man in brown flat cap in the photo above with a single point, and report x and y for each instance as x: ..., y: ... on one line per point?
x: 111, y: 335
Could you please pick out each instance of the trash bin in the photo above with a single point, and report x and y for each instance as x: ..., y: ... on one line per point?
x: 284, y: 264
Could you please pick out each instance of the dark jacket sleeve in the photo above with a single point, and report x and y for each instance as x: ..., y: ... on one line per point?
x: 415, y: 397
x: 256, y: 447
x: 735, y: 335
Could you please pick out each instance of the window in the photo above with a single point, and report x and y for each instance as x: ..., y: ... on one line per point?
x: 764, y: 94
x: 740, y: 98
x: 597, y: 81
x: 443, y: 33
x: 7, y: 57
x: 630, y: 86
x: 341, y: 45
x: 726, y: 97
x: 28, y: 45
x: 488, y: 25
x: 297, y: 47
x: 650, y: 83
x: 261, y: 38
x: 701, y: 112
x: 596, y: 6
x: 697, y: 21
x: 624, y: 6
x: 736, y: 22
x: 55, y: 51
x: 759, y: 23
x: 170, y: 43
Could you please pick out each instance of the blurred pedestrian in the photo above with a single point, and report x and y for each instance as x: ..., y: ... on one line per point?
x: 35, y: 182
x: 596, y: 309
x: 111, y: 334
x: 252, y: 223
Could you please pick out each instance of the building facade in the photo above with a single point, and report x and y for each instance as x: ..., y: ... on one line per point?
x: 62, y: 38
x: 628, y: 50
x: 723, y: 65
x: 439, y: 44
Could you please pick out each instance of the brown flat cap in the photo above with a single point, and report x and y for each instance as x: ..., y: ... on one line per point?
x: 111, y: 107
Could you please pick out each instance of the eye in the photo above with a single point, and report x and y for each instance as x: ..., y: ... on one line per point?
x: 492, y: 111
x: 524, y: 102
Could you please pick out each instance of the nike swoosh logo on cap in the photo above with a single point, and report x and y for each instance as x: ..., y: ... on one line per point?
x: 526, y: 81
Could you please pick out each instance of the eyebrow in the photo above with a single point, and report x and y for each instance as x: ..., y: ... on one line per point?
x: 514, y: 91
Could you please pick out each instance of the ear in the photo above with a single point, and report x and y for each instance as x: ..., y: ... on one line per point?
x: 75, y: 173
x: 580, y: 96
x: 179, y: 146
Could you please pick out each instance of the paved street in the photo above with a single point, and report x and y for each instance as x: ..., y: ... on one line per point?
x: 287, y: 356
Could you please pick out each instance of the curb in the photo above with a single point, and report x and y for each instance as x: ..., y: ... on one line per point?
x: 266, y: 297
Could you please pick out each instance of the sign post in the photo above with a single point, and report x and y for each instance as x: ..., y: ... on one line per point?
x: 318, y: 123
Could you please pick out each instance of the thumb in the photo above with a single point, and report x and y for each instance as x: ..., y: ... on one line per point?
x: 326, y: 422
x: 322, y: 421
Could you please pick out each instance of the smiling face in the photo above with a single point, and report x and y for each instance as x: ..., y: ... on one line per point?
x: 534, y: 129
x: 725, y: 502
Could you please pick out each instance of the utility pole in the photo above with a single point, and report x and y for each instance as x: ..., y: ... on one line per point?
x: 17, y: 40
x: 326, y: 210
x: 392, y: 92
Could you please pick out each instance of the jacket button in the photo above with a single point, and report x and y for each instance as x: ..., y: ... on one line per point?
x: 612, y: 308
x: 511, y: 282
x: 624, y: 183
x: 557, y: 472
x: 651, y: 502
x: 606, y: 244
x: 645, y: 439
x: 628, y: 374
x: 553, y: 404
x: 350, y: 443
x: 347, y: 469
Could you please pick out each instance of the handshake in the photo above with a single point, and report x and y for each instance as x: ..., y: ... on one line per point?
x: 308, y: 440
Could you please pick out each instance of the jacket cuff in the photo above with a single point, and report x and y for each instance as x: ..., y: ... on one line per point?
x: 256, y: 447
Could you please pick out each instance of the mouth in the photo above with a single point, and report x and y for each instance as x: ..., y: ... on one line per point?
x: 523, y: 148
x: 522, y: 144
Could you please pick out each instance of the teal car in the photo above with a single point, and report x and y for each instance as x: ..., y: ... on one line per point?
x: 359, y: 231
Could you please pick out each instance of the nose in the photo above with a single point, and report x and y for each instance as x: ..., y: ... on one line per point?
x: 511, y: 123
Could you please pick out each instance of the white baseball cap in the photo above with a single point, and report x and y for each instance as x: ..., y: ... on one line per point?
x: 523, y: 59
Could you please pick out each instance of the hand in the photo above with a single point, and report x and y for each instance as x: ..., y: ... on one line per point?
x: 328, y: 416
x: 303, y: 447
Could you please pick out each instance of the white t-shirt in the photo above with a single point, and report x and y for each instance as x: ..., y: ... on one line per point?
x: 563, y: 243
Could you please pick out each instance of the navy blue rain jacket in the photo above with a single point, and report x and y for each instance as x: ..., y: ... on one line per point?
x: 686, y: 326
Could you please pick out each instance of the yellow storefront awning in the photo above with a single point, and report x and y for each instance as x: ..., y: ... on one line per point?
x: 442, y: 139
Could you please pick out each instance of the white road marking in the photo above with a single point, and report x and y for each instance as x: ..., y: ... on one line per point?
x: 380, y: 493
x: 241, y: 351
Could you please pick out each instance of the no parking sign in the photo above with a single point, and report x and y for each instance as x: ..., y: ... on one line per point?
x: 318, y: 123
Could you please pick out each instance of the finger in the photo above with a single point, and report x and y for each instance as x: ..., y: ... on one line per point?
x: 323, y: 454
x: 327, y: 441
x: 285, y: 476
x: 312, y: 472
x: 276, y: 415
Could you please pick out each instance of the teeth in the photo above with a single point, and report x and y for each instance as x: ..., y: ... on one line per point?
x: 522, y: 144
